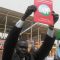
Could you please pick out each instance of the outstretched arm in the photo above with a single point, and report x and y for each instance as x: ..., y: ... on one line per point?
x: 48, y: 42
x: 46, y: 46
x: 12, y: 37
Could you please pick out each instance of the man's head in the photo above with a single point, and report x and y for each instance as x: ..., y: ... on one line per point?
x: 22, y: 48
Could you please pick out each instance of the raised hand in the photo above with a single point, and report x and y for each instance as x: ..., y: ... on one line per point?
x: 29, y: 11
x: 55, y: 17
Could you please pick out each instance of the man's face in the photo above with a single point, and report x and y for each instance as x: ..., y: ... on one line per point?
x: 22, y: 51
x: 22, y: 48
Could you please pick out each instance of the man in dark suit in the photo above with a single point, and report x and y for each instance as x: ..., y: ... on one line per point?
x: 13, y: 35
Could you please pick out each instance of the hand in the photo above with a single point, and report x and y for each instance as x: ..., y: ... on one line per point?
x: 31, y: 8
x: 29, y: 11
x: 55, y: 17
x: 51, y: 27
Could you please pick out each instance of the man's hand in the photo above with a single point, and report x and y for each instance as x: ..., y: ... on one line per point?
x: 55, y: 17
x: 29, y: 11
x: 51, y: 27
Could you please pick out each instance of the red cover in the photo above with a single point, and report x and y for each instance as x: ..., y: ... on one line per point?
x: 43, y: 13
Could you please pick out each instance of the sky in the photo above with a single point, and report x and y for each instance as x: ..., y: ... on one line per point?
x: 21, y: 5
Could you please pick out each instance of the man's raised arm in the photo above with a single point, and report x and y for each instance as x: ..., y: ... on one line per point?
x: 12, y: 37
x: 48, y: 41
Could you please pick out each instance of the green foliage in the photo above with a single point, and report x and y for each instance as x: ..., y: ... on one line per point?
x: 58, y: 34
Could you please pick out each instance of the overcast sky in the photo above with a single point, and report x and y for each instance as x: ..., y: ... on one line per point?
x: 21, y: 5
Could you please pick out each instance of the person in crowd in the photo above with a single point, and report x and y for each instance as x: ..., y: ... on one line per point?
x: 57, y: 55
x: 12, y: 38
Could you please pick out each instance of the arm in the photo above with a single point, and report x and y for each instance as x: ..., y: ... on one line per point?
x: 12, y: 37
x: 10, y: 43
x: 48, y: 42
x: 46, y: 46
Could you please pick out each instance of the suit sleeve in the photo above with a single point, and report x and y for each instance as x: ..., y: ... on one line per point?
x: 10, y: 43
x: 12, y: 38
x: 45, y: 48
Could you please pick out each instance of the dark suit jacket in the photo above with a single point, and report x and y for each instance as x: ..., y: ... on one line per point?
x: 11, y: 41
